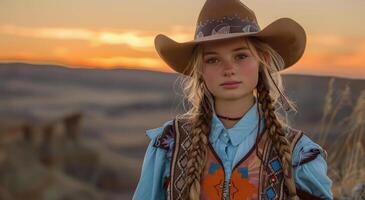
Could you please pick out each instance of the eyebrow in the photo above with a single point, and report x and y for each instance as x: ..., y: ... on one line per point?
x: 236, y: 49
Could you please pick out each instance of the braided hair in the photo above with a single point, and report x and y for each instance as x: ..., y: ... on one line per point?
x: 276, y: 134
x: 200, y: 116
x: 198, y: 154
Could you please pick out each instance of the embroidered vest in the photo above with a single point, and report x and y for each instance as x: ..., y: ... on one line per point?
x: 258, y: 175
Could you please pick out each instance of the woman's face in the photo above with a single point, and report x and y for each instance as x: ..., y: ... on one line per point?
x: 228, y: 61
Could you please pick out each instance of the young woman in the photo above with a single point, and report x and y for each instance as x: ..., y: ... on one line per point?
x: 233, y: 143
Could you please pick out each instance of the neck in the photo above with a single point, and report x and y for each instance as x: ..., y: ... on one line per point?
x: 233, y: 108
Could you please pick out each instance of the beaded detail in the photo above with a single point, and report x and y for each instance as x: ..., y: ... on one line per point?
x: 226, y: 25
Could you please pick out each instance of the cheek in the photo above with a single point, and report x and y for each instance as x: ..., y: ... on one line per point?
x: 249, y: 73
x: 210, y: 76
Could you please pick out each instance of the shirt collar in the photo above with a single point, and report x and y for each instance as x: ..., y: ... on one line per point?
x: 244, y: 127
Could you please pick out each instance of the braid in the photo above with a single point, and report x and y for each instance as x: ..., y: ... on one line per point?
x: 276, y: 134
x: 198, y: 153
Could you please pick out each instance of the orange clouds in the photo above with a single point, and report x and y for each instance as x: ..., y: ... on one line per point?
x: 131, y: 38
x: 132, y: 48
x: 333, y: 55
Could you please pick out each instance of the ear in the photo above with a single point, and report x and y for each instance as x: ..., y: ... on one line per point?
x: 266, y: 56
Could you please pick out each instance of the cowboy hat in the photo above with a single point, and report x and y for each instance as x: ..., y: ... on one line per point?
x: 223, y: 19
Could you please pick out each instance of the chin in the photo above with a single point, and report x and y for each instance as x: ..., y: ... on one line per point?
x: 232, y: 96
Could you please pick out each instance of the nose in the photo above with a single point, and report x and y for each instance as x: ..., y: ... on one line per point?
x: 228, y: 69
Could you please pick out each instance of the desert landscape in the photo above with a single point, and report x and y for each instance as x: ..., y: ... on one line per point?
x: 73, y: 133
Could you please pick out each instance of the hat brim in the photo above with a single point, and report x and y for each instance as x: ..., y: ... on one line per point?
x: 284, y: 35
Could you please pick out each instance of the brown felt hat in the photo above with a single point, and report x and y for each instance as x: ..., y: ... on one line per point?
x: 223, y: 19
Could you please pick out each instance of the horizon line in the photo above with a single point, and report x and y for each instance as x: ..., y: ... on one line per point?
x: 68, y: 66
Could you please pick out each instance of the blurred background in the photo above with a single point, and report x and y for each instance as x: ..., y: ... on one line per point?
x: 81, y: 83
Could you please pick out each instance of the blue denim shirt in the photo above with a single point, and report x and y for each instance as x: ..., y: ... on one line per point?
x: 231, y: 145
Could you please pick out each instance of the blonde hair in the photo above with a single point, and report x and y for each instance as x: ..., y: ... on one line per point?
x: 200, y: 113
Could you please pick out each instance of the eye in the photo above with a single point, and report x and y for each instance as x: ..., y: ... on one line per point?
x: 241, y: 56
x: 211, y: 60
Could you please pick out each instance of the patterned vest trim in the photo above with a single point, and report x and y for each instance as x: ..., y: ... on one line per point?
x: 259, y: 172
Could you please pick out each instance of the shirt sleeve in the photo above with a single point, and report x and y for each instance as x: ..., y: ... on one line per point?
x: 154, y: 170
x: 310, y: 168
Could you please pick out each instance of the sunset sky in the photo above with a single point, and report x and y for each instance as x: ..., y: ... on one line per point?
x: 112, y: 33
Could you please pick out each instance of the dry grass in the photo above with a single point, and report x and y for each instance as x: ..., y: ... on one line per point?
x: 346, y: 153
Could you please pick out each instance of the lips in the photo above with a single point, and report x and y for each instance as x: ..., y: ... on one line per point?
x: 230, y: 83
